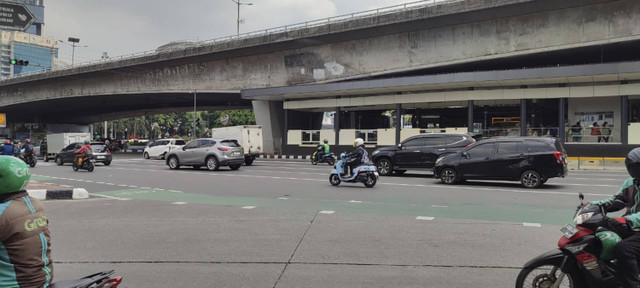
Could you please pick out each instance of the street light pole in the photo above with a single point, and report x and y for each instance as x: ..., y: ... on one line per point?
x: 238, y: 21
x: 73, y: 41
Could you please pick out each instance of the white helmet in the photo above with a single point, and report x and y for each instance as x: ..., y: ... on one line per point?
x: 358, y: 142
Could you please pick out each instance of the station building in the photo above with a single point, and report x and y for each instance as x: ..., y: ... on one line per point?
x: 571, y: 102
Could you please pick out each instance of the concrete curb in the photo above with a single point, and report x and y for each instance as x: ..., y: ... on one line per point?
x: 285, y: 157
x: 75, y: 193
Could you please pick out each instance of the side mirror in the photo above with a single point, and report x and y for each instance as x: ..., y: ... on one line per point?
x: 400, y: 145
x: 465, y: 155
x: 184, y: 148
x: 581, y: 196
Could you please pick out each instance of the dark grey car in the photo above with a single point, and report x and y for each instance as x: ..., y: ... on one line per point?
x: 208, y: 152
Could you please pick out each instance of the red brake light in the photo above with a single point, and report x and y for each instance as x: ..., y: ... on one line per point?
x: 108, y: 151
x: 559, y: 155
x: 470, y: 144
x: 223, y: 148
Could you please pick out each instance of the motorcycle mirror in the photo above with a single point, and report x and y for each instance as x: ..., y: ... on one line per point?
x: 581, y: 196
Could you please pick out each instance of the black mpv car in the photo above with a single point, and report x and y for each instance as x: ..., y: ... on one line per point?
x: 419, y: 151
x: 532, y: 161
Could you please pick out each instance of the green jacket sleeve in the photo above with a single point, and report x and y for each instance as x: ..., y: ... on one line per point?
x: 625, y: 185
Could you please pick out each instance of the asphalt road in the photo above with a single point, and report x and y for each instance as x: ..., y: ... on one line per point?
x: 280, y: 223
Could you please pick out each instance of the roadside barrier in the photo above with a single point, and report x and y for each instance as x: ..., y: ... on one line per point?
x: 595, y: 163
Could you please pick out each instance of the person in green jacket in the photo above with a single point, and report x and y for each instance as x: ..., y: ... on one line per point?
x: 627, y: 226
x: 25, y: 254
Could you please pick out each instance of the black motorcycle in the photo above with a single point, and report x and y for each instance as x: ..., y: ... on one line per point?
x: 85, y: 164
x: 320, y: 157
x: 584, y: 257
x: 98, y: 280
x: 28, y: 157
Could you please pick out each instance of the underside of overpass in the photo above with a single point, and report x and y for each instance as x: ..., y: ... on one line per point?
x: 87, y: 110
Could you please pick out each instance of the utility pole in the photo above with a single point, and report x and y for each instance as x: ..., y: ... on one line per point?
x: 195, y: 116
x: 238, y: 21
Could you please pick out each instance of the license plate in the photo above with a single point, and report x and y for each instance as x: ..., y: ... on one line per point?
x: 100, y: 157
x: 235, y: 154
x: 569, y: 230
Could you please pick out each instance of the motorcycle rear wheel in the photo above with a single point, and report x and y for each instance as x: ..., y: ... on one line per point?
x: 544, y: 275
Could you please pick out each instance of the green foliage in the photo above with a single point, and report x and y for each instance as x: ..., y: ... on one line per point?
x: 177, y: 125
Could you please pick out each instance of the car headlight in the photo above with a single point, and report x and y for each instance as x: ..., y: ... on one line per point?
x: 375, y: 152
x: 439, y: 161
x: 579, y: 219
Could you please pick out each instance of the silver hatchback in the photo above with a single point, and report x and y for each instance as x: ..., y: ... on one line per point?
x: 209, y: 152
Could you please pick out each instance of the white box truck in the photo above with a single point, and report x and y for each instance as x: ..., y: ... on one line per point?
x: 56, y: 142
x: 249, y: 136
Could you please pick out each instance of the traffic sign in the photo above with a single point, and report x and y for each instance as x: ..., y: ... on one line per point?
x: 15, y: 16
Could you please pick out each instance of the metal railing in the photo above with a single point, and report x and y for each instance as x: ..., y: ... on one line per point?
x: 259, y: 33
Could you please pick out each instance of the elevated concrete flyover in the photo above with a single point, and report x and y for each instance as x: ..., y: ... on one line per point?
x: 427, y: 36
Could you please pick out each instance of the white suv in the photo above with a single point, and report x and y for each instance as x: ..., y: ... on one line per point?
x: 161, y: 147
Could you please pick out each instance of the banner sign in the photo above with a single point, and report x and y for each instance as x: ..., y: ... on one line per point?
x: 3, y: 120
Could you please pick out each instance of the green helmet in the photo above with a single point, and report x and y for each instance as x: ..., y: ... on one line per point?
x: 87, y: 141
x: 14, y: 175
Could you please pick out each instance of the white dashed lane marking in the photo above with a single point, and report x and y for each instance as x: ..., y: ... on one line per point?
x: 424, y: 218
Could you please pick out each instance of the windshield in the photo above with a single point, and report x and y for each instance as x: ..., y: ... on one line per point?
x: 229, y: 143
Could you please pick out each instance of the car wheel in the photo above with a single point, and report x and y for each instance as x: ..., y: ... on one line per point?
x: 449, y: 176
x: 235, y: 166
x: 212, y: 163
x: 163, y: 155
x: 145, y: 155
x: 59, y: 161
x: 174, y: 163
x: 107, y: 163
x: 384, y: 167
x: 334, y: 179
x: 531, y: 179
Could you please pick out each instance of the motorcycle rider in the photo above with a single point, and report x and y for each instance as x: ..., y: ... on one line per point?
x: 7, y: 148
x: 628, y: 250
x: 357, y: 157
x: 25, y: 255
x: 82, y: 152
x: 323, y: 149
x: 28, y: 148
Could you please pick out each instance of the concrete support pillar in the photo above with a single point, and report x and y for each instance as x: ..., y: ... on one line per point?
x: 336, y: 125
x: 624, y: 119
x: 562, y: 119
x: 523, y: 117
x: 353, y: 120
x: 470, y: 116
x: 398, y: 122
x: 271, y: 116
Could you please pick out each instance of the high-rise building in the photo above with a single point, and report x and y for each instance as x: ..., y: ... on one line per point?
x: 29, y: 45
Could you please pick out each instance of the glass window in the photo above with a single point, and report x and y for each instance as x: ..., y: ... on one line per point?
x: 481, y: 150
x: 179, y: 142
x: 414, y: 142
x: 230, y: 143
x: 433, y: 141
x: 192, y: 144
x: 510, y: 147
x: 452, y: 139
x: 539, y: 146
x: 207, y: 143
x: 70, y: 146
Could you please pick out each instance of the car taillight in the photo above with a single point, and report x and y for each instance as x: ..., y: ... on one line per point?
x: 108, y: 151
x: 223, y: 148
x: 559, y: 155
x: 470, y: 144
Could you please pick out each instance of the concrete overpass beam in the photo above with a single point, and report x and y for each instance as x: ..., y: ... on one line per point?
x: 270, y: 115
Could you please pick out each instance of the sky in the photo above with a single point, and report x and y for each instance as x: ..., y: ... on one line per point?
x: 121, y: 27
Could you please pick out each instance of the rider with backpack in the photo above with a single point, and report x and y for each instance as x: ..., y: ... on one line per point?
x: 83, y: 153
